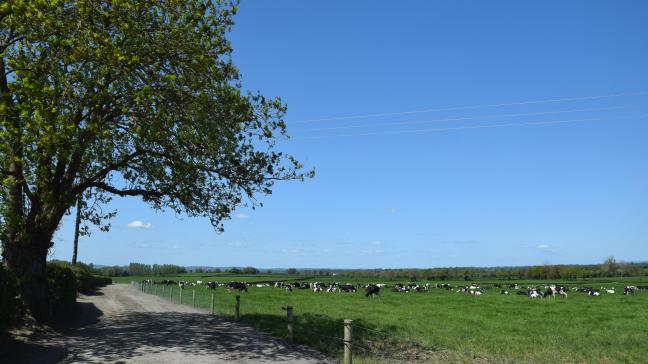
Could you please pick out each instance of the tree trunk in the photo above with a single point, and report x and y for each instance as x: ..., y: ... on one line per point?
x: 76, y: 231
x: 27, y: 259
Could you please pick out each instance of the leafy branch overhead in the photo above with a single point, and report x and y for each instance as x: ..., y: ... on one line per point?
x: 130, y: 98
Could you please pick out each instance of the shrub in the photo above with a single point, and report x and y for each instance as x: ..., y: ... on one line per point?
x: 62, y: 284
x: 8, y: 302
x: 85, y: 276
x: 86, y: 280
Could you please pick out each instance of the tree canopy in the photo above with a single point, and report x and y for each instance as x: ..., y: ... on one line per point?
x: 128, y: 98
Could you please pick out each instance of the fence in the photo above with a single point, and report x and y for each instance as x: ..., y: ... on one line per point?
x: 349, y: 346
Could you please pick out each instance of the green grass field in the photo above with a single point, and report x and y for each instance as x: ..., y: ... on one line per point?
x: 441, y: 325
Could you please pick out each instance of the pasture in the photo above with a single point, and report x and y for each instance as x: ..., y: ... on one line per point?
x: 441, y: 325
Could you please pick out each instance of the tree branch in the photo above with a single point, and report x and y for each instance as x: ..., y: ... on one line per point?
x: 127, y: 192
x: 89, y: 182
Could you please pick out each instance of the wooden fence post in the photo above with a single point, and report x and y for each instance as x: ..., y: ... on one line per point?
x: 289, y: 320
x: 163, y: 290
x: 193, y: 298
x: 348, y: 341
x: 171, y: 293
x: 181, y: 289
x: 154, y: 289
x: 237, y: 308
x: 212, y: 303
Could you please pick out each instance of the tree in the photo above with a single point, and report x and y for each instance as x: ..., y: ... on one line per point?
x: 128, y: 98
x: 610, y: 266
x: 292, y: 271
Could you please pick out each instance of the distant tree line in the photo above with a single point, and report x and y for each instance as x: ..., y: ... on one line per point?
x: 610, y: 268
x: 140, y: 269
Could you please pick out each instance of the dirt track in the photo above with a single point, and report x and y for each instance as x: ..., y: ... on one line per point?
x: 121, y: 324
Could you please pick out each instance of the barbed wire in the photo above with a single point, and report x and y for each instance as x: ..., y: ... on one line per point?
x: 328, y: 337
x: 405, y: 339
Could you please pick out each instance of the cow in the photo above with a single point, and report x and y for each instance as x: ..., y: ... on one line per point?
x: 348, y: 288
x: 400, y: 287
x: 629, y: 290
x: 372, y: 290
x: 318, y: 287
x: 535, y: 293
x: 212, y: 285
x: 505, y: 292
x: 552, y: 290
x: 241, y: 286
x: 608, y: 290
x: 594, y: 292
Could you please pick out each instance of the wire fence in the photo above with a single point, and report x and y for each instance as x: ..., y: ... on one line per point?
x: 365, y: 341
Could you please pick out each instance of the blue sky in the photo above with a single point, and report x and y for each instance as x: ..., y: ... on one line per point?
x: 559, y: 181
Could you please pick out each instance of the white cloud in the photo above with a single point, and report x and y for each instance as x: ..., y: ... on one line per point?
x: 543, y: 246
x: 241, y: 215
x: 138, y: 224
x: 377, y: 242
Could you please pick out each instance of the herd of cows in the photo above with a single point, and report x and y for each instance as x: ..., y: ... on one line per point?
x: 373, y: 289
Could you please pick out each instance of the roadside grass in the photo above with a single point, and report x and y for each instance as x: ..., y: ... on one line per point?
x: 444, y: 326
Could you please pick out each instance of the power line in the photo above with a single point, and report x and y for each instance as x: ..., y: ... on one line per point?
x: 494, y: 116
x: 364, y: 116
x: 420, y: 131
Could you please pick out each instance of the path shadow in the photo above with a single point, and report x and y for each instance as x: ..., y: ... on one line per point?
x: 135, y: 334
x: 146, y: 335
x: 14, y: 351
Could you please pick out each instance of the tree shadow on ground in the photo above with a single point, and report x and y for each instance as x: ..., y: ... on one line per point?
x: 326, y: 334
x: 169, y: 336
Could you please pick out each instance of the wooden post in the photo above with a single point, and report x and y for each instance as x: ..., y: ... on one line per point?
x: 212, y: 303
x: 237, y: 308
x: 163, y: 290
x: 348, y: 341
x: 193, y: 298
x: 155, y: 289
x: 181, y: 289
x: 289, y: 320
x: 171, y: 293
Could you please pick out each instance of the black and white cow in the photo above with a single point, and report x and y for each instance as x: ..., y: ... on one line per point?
x: 241, y: 286
x: 372, y: 290
x: 348, y: 288
x: 553, y: 290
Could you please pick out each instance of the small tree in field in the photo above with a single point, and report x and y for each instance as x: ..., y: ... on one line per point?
x: 292, y: 271
x: 128, y: 98
x: 610, y: 266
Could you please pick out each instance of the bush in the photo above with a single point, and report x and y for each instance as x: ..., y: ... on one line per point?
x: 62, y: 284
x: 86, y: 280
x: 8, y: 302
x: 85, y: 276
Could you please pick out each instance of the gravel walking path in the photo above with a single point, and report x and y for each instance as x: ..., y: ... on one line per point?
x: 121, y: 324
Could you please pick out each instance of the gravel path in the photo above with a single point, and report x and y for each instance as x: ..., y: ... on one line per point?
x: 121, y: 324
